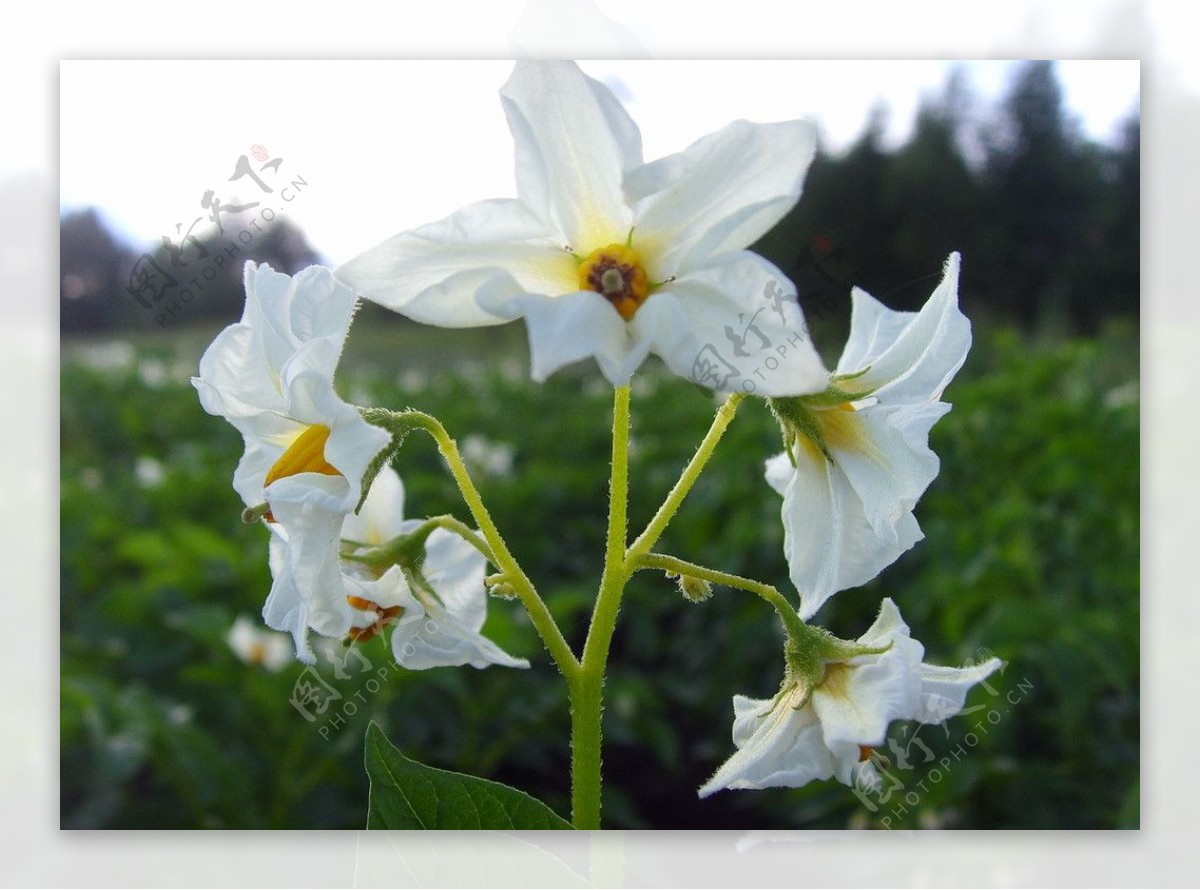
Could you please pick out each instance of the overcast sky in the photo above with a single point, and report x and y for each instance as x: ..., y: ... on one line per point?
x: 385, y: 146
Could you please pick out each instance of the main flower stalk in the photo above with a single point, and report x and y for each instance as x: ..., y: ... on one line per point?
x: 586, y: 686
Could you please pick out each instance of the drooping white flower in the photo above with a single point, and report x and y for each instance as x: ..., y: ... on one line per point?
x: 271, y: 376
x: 606, y: 256
x: 434, y: 609
x: 826, y: 730
x: 861, y: 458
x: 253, y: 645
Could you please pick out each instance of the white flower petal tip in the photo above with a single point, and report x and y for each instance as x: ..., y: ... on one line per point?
x: 799, y: 737
x: 306, y: 450
x: 861, y: 465
x: 609, y: 258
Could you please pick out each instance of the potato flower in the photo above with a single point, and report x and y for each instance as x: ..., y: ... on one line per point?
x: 434, y: 608
x: 608, y: 257
x: 271, y: 376
x: 858, y: 456
x: 826, y: 724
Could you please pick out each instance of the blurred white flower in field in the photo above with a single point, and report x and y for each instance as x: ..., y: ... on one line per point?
x: 116, y: 355
x: 254, y: 645
x: 486, y: 457
x: 148, y: 471
x: 153, y: 373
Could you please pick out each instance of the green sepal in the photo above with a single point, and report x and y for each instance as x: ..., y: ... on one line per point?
x: 835, y: 395
x: 406, y: 551
x: 808, y: 650
x: 399, y: 424
x: 797, y: 419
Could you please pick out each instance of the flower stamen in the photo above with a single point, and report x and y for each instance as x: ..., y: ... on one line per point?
x: 385, y: 617
x: 306, y: 454
x: 616, y: 273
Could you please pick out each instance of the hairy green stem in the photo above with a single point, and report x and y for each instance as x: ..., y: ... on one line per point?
x: 464, y: 531
x: 647, y: 539
x: 587, y: 690
x: 787, y: 613
x: 501, y: 557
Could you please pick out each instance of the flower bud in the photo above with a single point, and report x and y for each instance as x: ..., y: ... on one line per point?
x: 695, y: 590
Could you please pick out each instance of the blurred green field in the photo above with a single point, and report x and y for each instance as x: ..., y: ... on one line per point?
x: 1031, y: 552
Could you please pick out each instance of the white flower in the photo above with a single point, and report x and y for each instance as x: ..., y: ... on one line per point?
x: 862, y: 463
x: 606, y: 256
x: 486, y: 457
x: 435, y: 610
x: 253, y: 645
x: 148, y: 471
x: 271, y: 376
x: 806, y: 734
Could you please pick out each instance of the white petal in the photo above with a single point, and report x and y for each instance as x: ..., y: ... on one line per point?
x: 733, y: 325
x: 307, y: 590
x: 779, y: 472
x: 455, y: 570
x: 298, y: 308
x: 574, y: 143
x: 873, y: 328
x: 438, y: 639
x: 828, y: 542
x: 352, y: 442
x: 382, y: 513
x: 779, y: 746
x: 387, y: 591
x: 722, y: 193
x: 884, y: 454
x: 331, y: 494
x: 887, y: 627
x: 287, y: 311
x: 927, y: 352
x: 576, y: 326
x: 252, y: 468
x: 437, y: 274
x: 856, y: 702
x: 235, y: 380
x: 944, y: 689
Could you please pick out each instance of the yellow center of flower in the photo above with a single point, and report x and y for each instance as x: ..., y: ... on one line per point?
x: 616, y: 273
x: 306, y: 454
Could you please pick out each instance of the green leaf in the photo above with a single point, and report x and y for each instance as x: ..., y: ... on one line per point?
x: 407, y: 794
